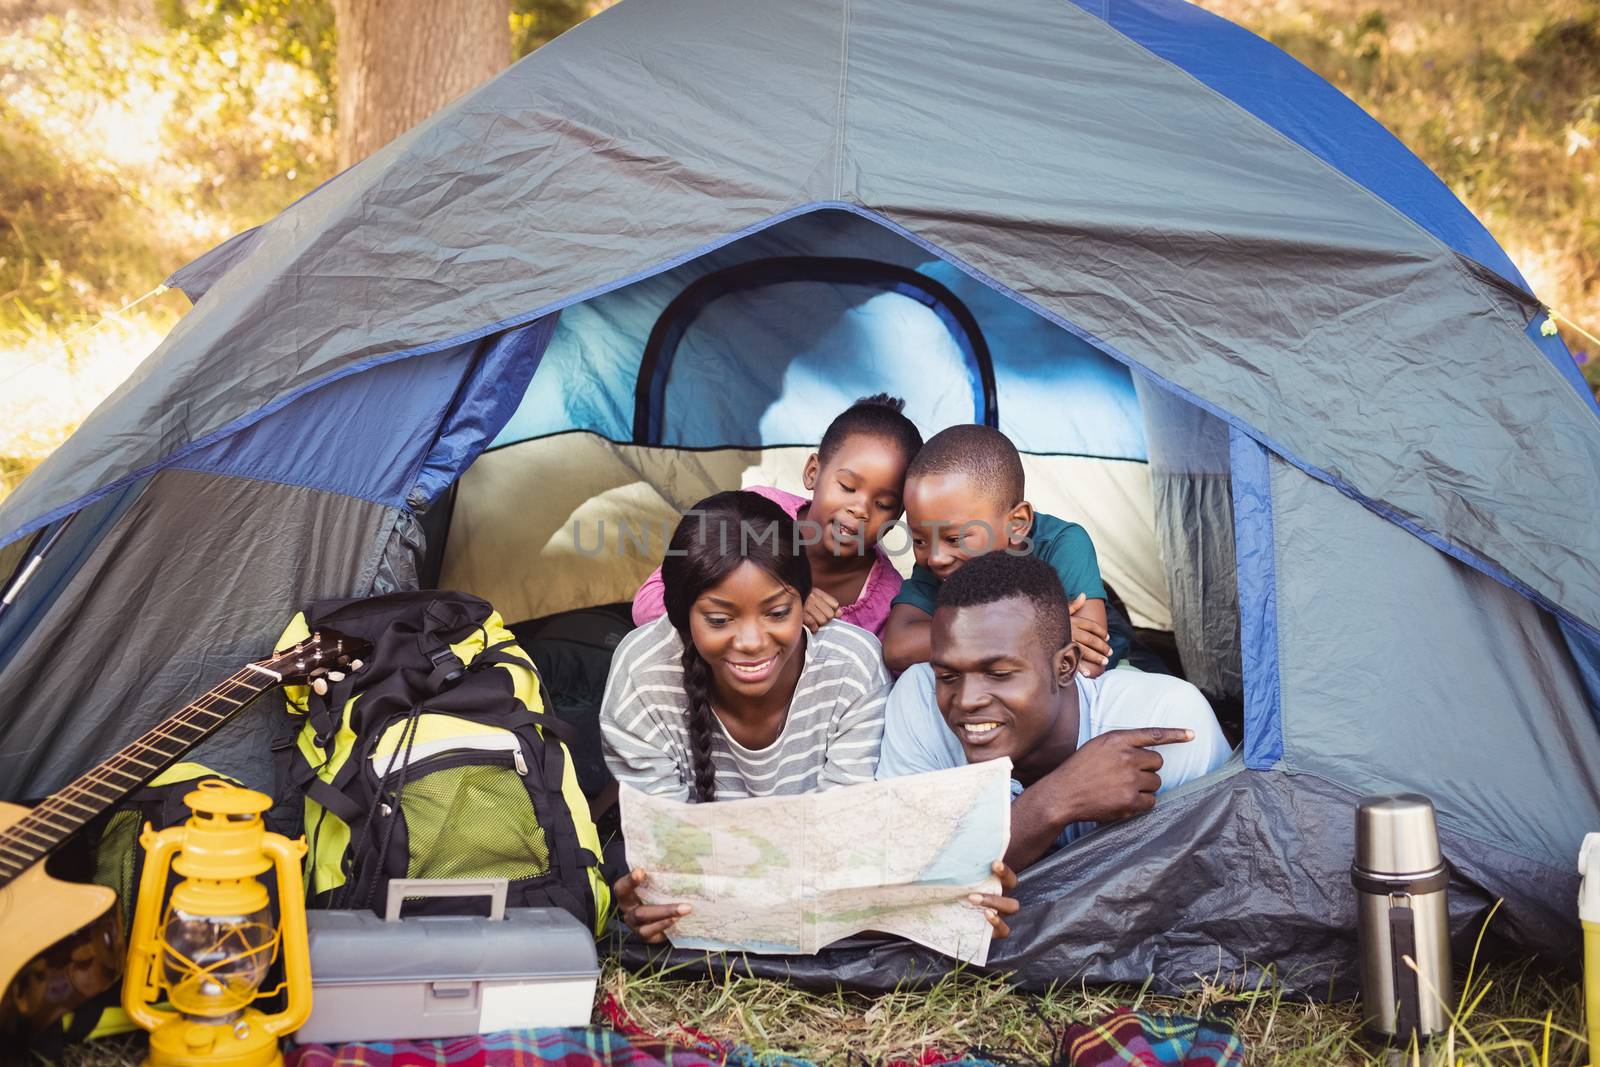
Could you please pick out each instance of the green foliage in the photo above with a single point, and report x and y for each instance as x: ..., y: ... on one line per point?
x: 304, y: 32
x: 123, y: 153
x: 534, y: 22
x: 300, y: 31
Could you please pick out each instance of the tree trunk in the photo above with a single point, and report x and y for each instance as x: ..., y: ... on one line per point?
x: 402, y: 60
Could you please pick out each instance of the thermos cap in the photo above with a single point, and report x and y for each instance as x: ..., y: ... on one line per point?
x: 1396, y: 835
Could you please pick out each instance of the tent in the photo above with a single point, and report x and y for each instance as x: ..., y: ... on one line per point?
x: 1295, y: 390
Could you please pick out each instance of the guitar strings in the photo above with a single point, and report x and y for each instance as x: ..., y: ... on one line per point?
x: 14, y: 850
x: 28, y: 853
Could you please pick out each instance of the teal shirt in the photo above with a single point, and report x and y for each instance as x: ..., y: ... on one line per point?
x: 1066, y: 546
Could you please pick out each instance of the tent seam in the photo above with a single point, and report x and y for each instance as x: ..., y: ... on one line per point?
x: 841, y: 109
x: 630, y: 443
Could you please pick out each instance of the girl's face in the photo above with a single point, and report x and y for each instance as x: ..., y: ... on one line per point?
x: 857, y: 494
x: 747, y: 628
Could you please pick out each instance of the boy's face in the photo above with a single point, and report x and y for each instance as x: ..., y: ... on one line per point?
x: 952, y: 519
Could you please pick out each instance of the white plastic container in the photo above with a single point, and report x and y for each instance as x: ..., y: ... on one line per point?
x: 430, y: 976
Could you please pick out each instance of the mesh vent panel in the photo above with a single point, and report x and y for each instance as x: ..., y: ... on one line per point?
x: 114, y: 858
x: 472, y: 822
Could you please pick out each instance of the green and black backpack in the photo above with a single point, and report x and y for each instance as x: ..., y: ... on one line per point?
x: 435, y: 760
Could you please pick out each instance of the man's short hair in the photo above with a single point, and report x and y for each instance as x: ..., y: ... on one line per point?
x: 984, y: 456
x: 996, y: 576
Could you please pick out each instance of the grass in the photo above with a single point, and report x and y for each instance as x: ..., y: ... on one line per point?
x: 1513, y: 1013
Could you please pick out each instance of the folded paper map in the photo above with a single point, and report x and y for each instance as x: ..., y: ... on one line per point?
x: 792, y: 874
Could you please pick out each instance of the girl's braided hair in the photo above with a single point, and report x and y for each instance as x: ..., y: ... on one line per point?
x: 878, y: 415
x: 713, y: 539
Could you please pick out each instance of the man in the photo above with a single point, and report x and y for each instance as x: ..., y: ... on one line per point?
x: 1002, y: 680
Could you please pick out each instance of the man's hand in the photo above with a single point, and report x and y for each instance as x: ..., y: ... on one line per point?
x: 1090, y: 634
x: 998, y: 904
x: 820, y: 610
x: 650, y: 921
x: 1114, y: 776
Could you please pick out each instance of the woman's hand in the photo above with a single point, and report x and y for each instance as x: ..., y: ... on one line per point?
x: 1001, y: 904
x: 650, y: 921
x: 820, y: 610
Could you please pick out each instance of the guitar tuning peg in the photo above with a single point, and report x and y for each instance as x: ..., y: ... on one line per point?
x: 355, y: 665
x: 319, y: 686
x: 336, y: 676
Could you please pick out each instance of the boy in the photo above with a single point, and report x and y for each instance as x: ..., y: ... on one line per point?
x: 964, y: 498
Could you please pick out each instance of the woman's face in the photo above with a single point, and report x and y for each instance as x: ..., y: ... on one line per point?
x: 747, y: 628
x: 857, y: 493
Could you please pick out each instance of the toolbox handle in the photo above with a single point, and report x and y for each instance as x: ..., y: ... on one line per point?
x: 401, y: 888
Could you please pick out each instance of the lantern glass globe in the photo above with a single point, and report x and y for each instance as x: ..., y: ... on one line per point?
x: 214, y: 964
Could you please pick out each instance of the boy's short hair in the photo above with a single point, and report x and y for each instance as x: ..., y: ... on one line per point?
x: 996, y: 576
x: 983, y: 455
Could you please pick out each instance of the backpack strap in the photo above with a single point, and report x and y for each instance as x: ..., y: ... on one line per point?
x: 298, y: 777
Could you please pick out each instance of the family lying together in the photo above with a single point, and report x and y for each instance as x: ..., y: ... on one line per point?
x: 762, y: 662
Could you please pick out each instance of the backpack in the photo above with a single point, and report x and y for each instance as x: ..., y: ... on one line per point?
x: 435, y: 760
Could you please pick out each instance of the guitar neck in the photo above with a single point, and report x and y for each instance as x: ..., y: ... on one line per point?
x: 47, y: 826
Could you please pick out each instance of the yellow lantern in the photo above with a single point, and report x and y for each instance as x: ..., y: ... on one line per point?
x: 209, y: 953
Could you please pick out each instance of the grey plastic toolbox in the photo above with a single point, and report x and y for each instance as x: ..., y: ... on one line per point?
x: 384, y: 979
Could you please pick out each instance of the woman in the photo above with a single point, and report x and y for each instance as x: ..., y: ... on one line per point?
x: 701, y: 703
x: 729, y: 695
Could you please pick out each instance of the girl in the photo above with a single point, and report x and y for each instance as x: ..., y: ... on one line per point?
x: 855, y: 477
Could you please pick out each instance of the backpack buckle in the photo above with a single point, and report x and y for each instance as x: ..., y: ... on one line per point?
x: 441, y: 656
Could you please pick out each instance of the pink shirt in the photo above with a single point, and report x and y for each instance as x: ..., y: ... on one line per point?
x: 869, y: 611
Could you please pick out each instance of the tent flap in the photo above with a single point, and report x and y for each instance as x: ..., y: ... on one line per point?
x: 1258, y: 602
x: 195, y: 578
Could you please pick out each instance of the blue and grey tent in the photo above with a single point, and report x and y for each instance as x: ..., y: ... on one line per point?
x: 1294, y: 389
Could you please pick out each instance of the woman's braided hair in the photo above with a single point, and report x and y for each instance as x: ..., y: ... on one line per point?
x: 713, y: 539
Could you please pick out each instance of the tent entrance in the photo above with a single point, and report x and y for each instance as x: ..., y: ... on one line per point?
x: 723, y: 372
x: 858, y: 314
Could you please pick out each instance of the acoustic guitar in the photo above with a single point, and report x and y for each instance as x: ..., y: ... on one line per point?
x: 61, y: 941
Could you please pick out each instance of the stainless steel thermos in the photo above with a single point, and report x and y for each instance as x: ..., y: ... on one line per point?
x: 1400, y: 879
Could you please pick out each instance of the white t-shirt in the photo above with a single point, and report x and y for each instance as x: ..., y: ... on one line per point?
x: 916, y: 738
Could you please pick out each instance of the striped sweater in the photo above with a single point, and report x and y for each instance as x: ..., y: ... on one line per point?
x: 831, y: 736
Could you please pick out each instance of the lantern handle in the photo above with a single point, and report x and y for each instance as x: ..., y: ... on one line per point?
x: 295, y: 948
x: 401, y: 888
x: 142, y: 985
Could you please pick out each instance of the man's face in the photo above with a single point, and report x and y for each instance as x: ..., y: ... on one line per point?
x: 952, y: 520
x: 1000, y: 691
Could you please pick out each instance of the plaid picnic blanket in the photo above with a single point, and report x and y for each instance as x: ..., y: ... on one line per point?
x: 579, y: 1047
x: 576, y: 1047
x: 1135, y: 1037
